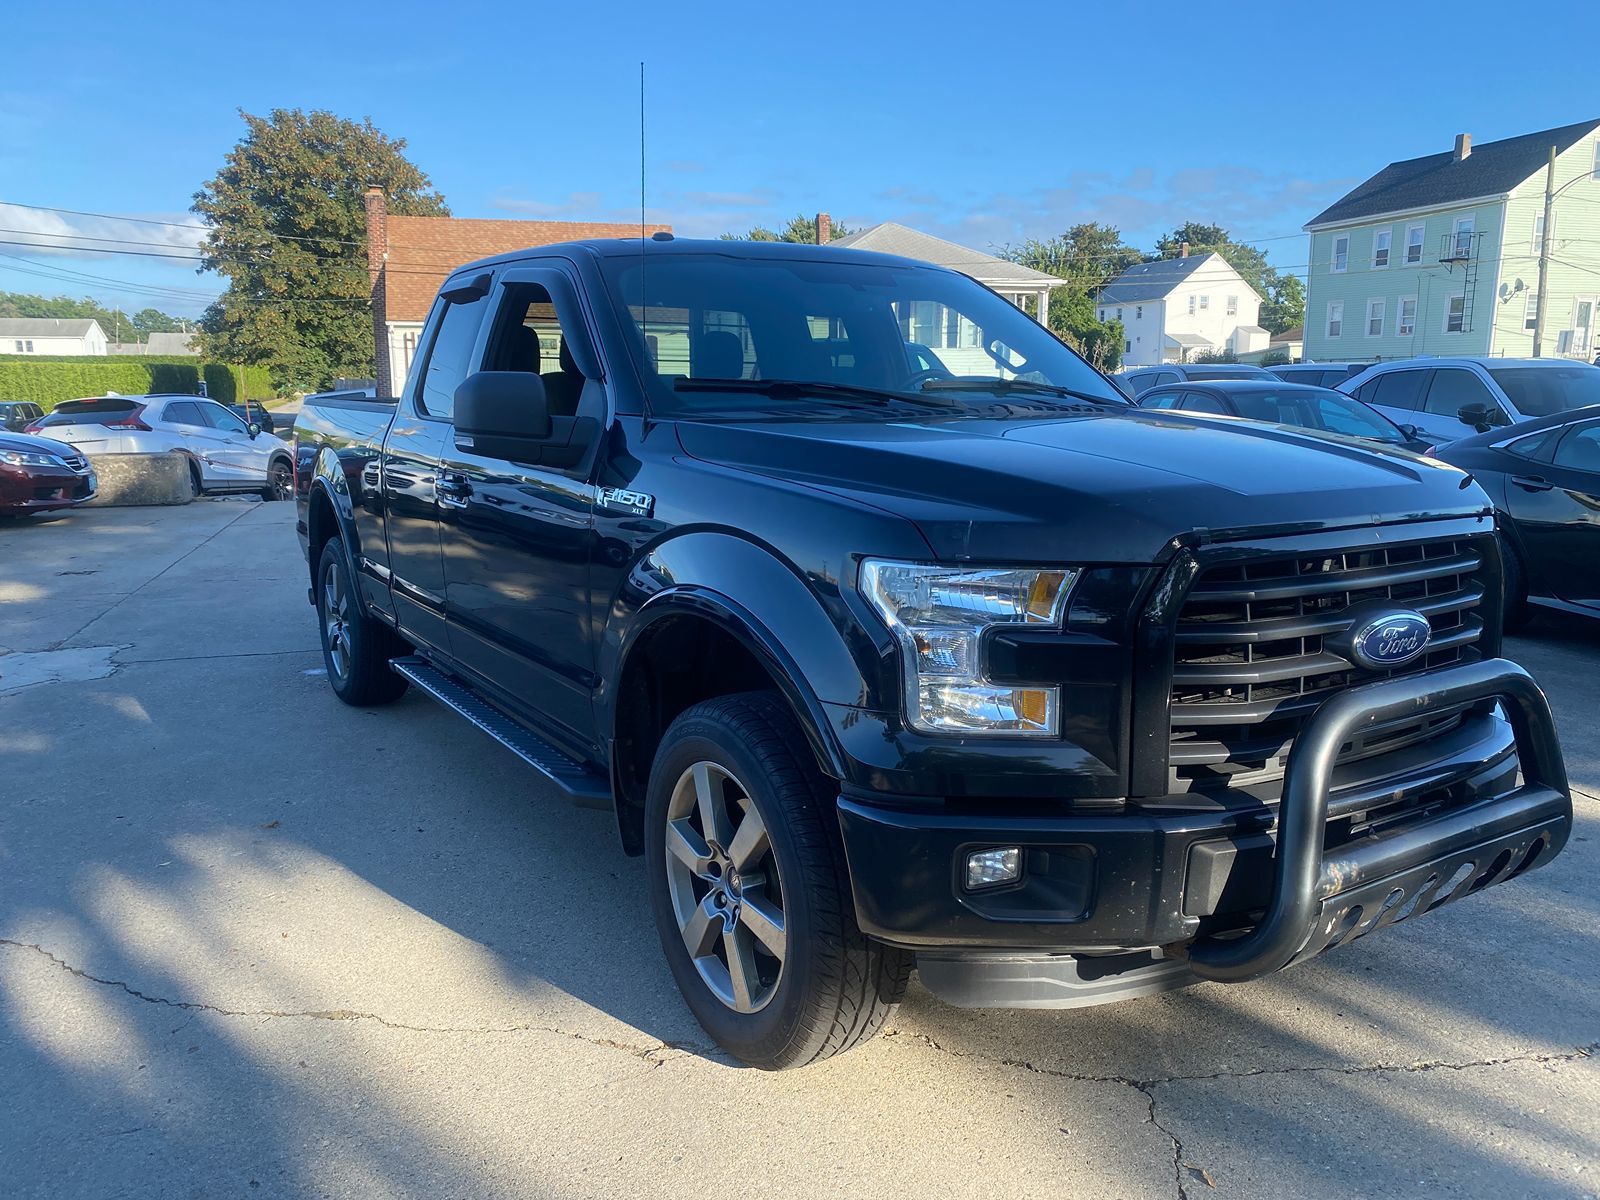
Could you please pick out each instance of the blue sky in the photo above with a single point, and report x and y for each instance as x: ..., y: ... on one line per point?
x: 987, y: 124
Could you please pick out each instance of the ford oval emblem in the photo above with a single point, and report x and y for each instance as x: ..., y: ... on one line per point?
x: 1383, y: 639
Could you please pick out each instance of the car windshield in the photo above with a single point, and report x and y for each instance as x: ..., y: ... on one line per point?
x: 803, y: 337
x: 1318, y: 408
x: 1544, y: 391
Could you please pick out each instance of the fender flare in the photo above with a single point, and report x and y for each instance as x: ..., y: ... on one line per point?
x: 328, y: 481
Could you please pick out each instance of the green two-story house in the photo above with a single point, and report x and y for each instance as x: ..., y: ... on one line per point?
x: 1440, y: 255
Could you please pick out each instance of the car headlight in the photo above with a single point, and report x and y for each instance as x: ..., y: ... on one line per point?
x: 29, y: 458
x: 939, y: 615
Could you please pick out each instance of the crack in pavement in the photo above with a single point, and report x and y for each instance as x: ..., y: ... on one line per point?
x: 1183, y: 1171
x: 656, y: 1055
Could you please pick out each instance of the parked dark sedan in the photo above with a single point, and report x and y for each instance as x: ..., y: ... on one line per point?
x: 253, y: 412
x: 1320, y: 409
x: 1544, y: 478
x: 38, y: 474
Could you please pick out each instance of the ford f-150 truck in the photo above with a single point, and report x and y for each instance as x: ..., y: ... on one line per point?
x: 894, y: 636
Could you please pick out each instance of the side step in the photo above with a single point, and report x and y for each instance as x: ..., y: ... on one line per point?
x: 585, y: 787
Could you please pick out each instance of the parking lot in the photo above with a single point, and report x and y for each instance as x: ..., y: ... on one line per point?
x: 254, y: 942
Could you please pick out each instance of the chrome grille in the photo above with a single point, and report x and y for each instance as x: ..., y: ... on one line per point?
x: 1249, y: 662
x: 75, y: 462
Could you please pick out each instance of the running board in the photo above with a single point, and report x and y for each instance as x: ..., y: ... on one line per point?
x: 586, y: 788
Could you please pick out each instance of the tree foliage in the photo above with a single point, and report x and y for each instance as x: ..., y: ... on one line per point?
x: 118, y: 326
x: 1283, y: 297
x: 288, y: 231
x: 800, y: 229
x: 1087, y: 257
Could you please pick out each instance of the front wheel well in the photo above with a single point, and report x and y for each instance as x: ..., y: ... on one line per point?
x: 322, y: 525
x: 678, y: 662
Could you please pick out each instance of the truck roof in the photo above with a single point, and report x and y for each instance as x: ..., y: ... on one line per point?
x: 631, y: 247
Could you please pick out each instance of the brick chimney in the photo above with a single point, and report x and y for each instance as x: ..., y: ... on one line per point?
x: 824, y: 229
x: 1183, y: 249
x: 1463, y: 146
x: 377, y: 207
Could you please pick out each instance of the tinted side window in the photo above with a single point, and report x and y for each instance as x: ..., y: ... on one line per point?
x: 1397, y: 389
x: 221, y: 418
x: 1454, y: 388
x: 184, y: 412
x: 1202, y: 403
x: 1165, y: 377
x: 1580, y: 449
x: 1535, y: 445
x: 1165, y: 400
x: 449, y: 359
x: 1138, y: 381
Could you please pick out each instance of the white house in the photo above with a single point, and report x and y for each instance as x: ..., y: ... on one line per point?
x: 1175, y: 308
x: 50, y: 335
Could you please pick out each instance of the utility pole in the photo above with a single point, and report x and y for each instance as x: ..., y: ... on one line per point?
x: 1544, y: 254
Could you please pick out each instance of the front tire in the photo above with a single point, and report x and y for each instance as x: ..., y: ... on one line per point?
x: 1516, y: 610
x: 750, y: 890
x: 356, y: 648
x: 280, y: 481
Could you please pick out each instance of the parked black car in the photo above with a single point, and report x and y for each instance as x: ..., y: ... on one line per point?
x: 16, y: 415
x: 972, y: 666
x: 1319, y: 409
x: 1135, y: 381
x: 253, y: 412
x: 1319, y: 374
x: 1544, y: 478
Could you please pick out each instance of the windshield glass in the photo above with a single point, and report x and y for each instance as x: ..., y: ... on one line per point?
x: 872, y: 335
x: 1542, y: 391
x: 1317, y: 408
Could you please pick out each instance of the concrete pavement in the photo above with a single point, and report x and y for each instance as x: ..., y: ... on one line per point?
x: 254, y: 942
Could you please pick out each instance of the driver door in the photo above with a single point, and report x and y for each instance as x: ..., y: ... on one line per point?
x: 1556, y: 506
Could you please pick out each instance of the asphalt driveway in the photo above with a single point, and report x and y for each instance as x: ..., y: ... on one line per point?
x: 256, y: 943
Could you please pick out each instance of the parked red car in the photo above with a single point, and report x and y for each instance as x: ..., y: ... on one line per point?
x: 38, y: 474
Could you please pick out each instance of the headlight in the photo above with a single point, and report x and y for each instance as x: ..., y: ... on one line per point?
x: 29, y: 458
x: 938, y: 615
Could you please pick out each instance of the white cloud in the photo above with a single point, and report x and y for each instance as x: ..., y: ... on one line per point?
x: 41, y: 233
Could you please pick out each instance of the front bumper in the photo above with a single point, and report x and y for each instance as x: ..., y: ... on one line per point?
x: 39, y: 489
x: 1190, y: 878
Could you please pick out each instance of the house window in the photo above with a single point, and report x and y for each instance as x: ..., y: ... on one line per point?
x: 1414, y: 235
x: 1233, y: 306
x: 1191, y: 305
x: 1596, y: 173
x: 1380, y: 247
x: 1375, y: 318
x: 1336, y: 318
x: 1530, y: 311
x: 1119, y: 314
x: 1455, y: 317
x: 1102, y: 314
x: 1205, y: 302
x: 24, y: 347
x: 1138, y: 313
x: 1406, y: 322
x: 1463, y: 235
x: 1538, y: 231
x: 1341, y: 253
x: 1129, y: 350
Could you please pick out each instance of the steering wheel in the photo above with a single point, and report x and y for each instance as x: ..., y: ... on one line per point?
x: 921, y: 377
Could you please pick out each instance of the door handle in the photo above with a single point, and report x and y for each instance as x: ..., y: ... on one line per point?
x: 1532, y: 483
x: 452, y: 491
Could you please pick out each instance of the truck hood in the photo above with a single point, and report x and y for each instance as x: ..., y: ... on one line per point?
x: 1101, y: 486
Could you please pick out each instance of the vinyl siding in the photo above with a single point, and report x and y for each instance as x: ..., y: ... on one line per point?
x: 1430, y: 281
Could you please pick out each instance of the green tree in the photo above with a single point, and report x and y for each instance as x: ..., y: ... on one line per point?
x: 287, y: 229
x: 1283, y: 296
x: 800, y: 229
x: 1087, y: 257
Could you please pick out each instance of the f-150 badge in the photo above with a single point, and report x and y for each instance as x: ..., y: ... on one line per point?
x: 638, y: 504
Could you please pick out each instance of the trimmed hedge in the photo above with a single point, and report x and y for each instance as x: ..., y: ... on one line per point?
x: 48, y: 379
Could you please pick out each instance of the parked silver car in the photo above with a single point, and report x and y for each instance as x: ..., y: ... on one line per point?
x: 1450, y: 398
x: 225, y: 454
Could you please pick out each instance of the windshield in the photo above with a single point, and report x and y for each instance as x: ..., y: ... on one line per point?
x: 1332, y: 412
x: 1544, y: 391
x: 874, y: 337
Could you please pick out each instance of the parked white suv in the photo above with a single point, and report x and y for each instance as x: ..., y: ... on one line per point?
x: 1450, y: 398
x: 225, y: 454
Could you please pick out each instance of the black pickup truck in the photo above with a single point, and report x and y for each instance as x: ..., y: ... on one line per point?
x: 894, y: 636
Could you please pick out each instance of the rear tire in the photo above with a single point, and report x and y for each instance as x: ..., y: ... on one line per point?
x: 356, y: 648
x: 739, y: 831
x: 1516, y: 611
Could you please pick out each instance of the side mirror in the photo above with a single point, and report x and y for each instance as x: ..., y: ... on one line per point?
x: 506, y: 415
x: 254, y: 430
x: 1411, y: 431
x: 1476, y: 415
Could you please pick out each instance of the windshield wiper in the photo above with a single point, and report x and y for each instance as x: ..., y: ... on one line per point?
x: 1001, y: 387
x: 795, y: 389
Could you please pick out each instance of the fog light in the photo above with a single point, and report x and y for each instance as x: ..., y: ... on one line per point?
x: 987, y: 868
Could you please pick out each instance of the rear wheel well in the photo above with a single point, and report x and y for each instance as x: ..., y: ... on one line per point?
x: 678, y: 662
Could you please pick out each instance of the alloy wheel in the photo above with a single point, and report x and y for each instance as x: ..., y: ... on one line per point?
x: 336, y: 619
x: 281, y: 480
x: 726, y: 892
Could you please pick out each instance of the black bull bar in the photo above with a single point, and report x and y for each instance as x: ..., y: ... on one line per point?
x: 1319, y: 901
